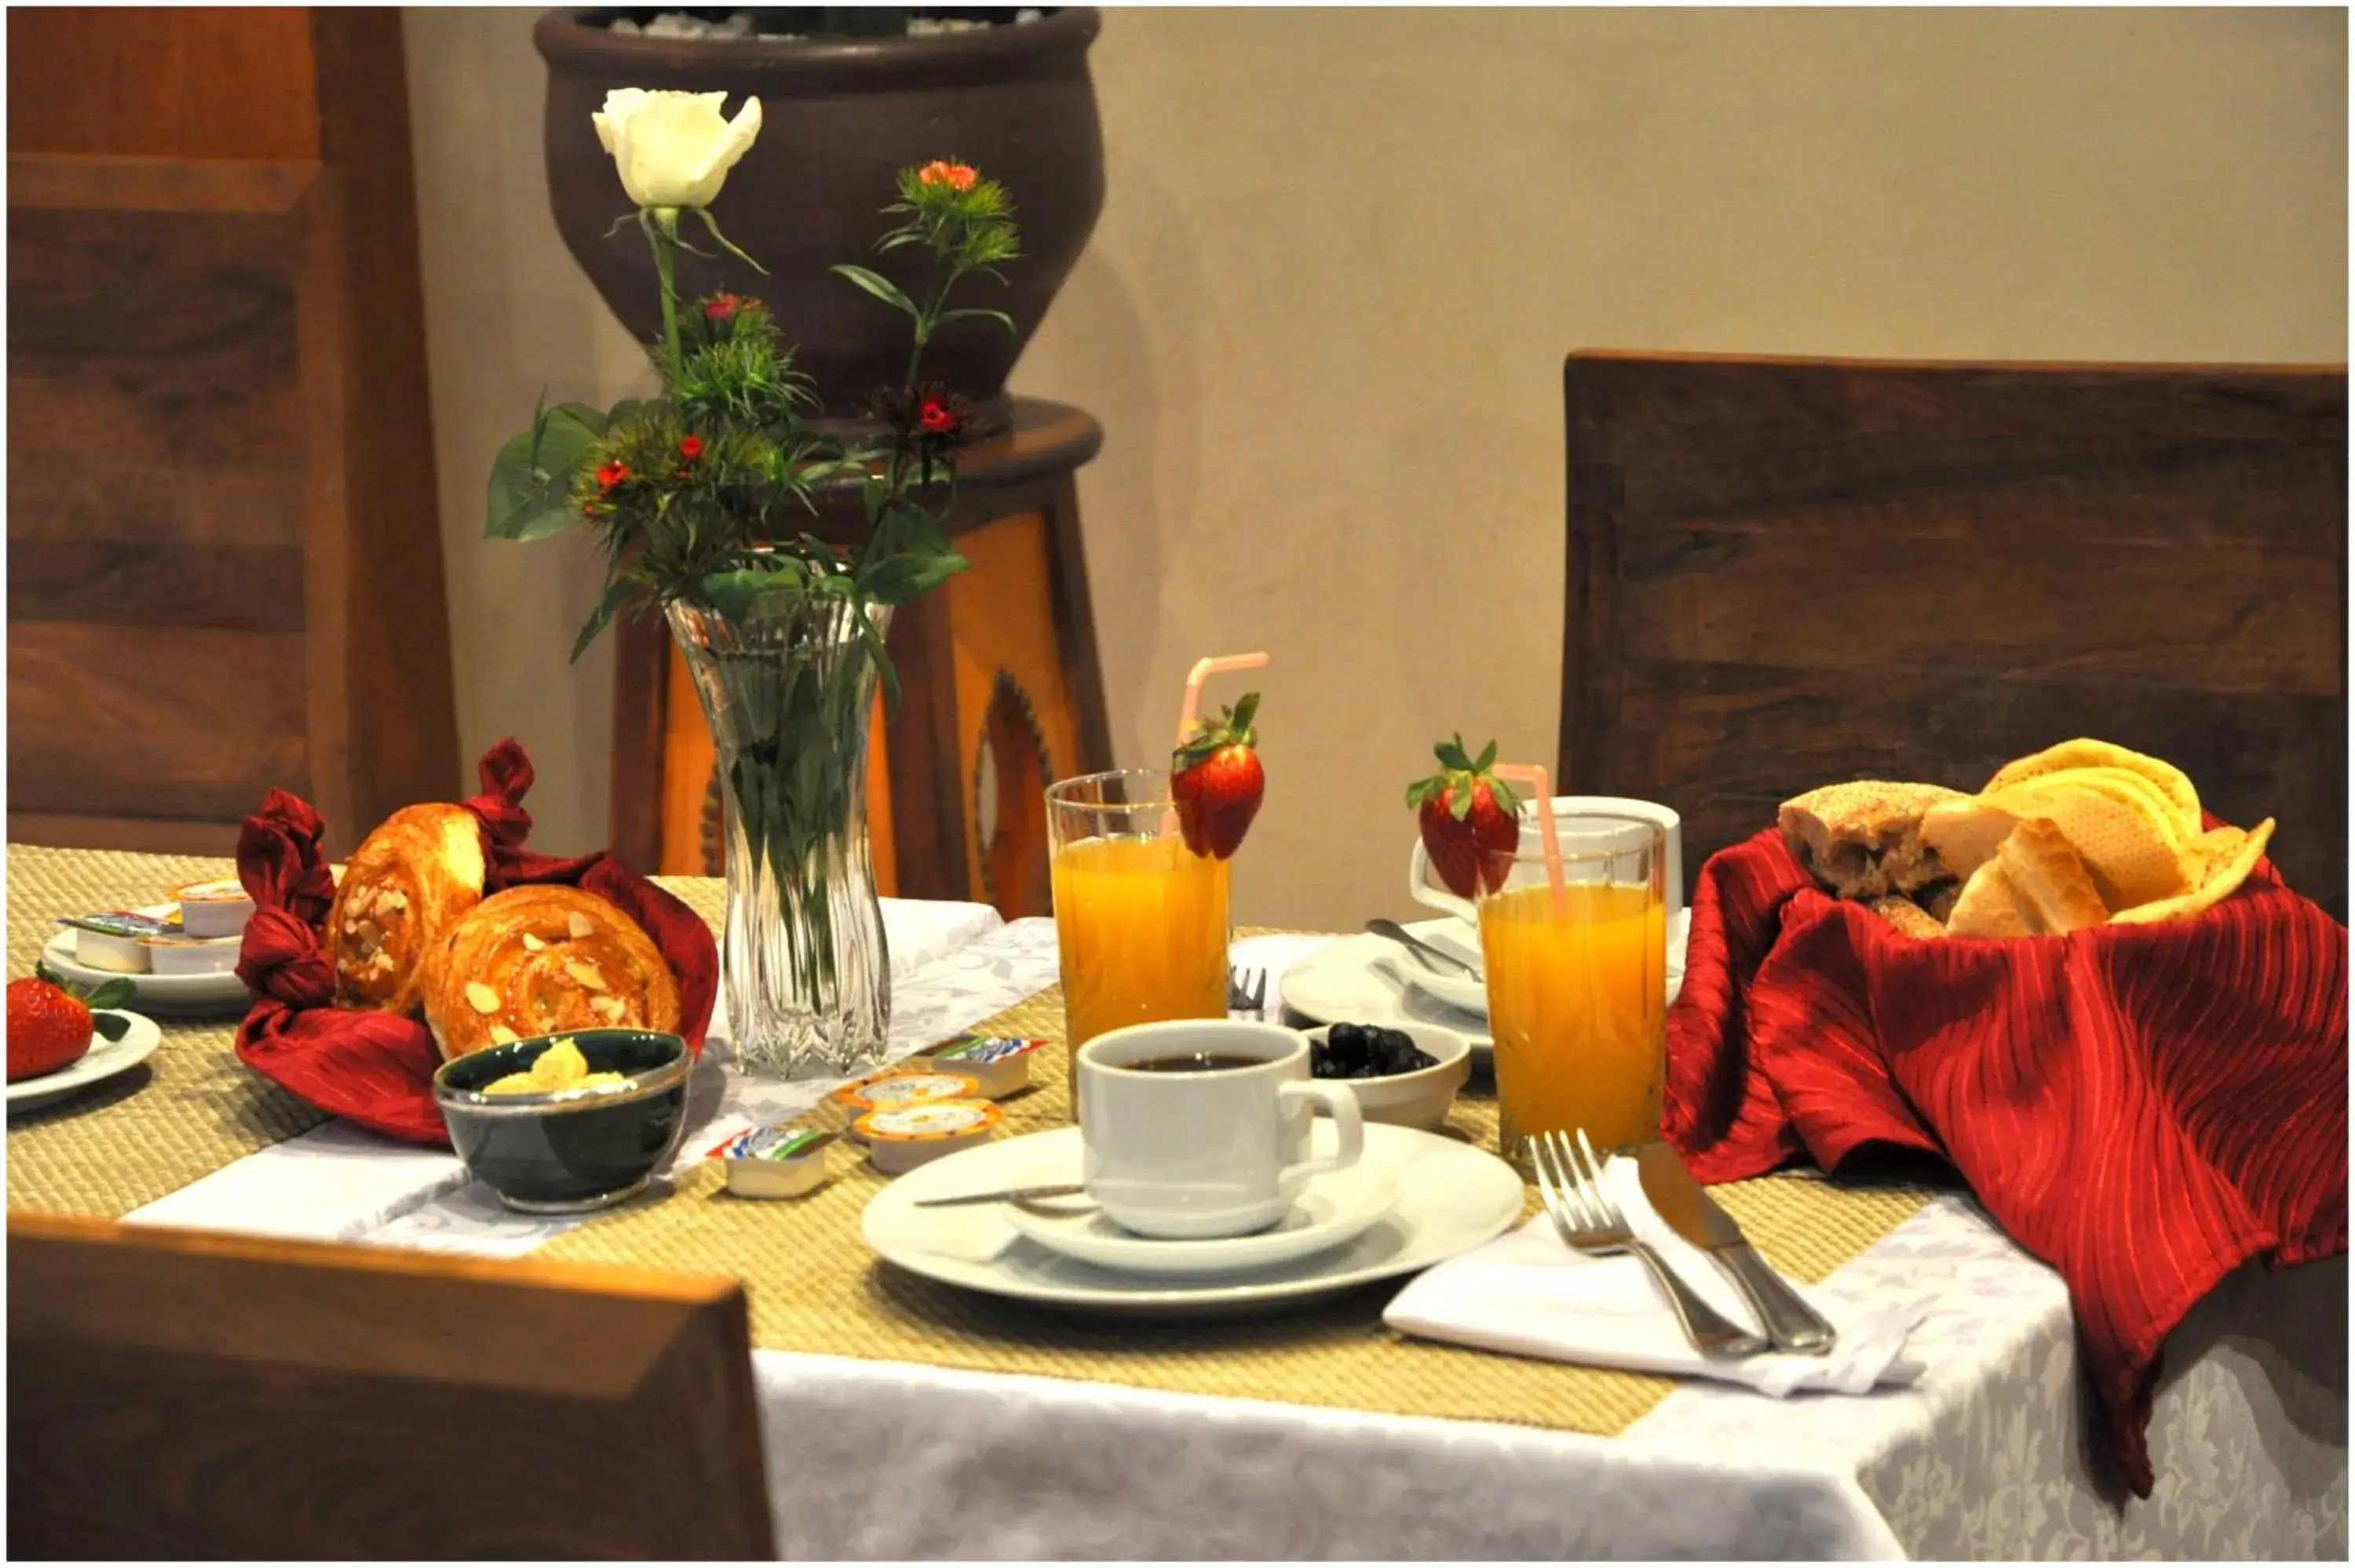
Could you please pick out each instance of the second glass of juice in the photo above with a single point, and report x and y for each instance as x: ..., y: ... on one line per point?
x: 1578, y: 983
x: 1141, y: 919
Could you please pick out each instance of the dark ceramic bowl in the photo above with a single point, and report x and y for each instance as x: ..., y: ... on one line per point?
x: 574, y: 1149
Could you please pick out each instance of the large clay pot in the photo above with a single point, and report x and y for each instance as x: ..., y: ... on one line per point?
x: 838, y: 121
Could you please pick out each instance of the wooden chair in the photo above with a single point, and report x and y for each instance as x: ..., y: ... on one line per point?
x: 183, y: 1394
x: 224, y: 558
x: 1786, y: 572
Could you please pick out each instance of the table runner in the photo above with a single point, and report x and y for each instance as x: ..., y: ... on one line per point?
x: 815, y: 1287
x: 191, y: 1109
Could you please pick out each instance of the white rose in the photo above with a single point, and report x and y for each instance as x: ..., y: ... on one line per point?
x: 672, y: 148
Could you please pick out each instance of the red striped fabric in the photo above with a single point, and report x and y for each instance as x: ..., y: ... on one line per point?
x: 2145, y: 1107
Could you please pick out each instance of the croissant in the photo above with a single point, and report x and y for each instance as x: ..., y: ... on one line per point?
x: 543, y: 959
x: 404, y: 888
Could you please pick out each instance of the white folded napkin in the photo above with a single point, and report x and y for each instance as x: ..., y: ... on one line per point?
x: 1527, y: 1294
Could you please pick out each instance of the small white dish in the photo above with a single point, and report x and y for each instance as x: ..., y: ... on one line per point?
x: 1336, y: 1207
x: 1411, y: 1100
x: 103, y: 1060
x: 166, y: 996
x: 1451, y: 1197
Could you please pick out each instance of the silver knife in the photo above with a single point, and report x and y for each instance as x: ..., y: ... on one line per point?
x: 1692, y: 1214
x: 1011, y: 1195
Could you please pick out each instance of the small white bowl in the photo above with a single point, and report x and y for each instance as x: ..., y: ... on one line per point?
x: 1419, y: 1099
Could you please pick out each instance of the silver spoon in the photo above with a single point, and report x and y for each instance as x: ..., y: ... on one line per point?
x: 1424, y: 951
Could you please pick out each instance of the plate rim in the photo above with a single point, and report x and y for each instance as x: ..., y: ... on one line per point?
x: 1205, y: 1295
x: 139, y: 1043
x: 1482, y: 1041
x: 185, y: 990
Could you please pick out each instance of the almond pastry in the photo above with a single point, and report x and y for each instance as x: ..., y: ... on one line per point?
x: 405, y: 888
x: 548, y: 958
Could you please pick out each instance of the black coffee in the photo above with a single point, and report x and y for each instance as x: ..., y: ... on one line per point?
x: 1193, y: 1061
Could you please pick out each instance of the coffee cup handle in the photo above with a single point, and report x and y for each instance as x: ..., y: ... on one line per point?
x: 1340, y: 1102
x: 1419, y: 887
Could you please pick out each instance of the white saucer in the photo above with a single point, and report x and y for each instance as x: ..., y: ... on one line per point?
x: 103, y: 1060
x: 1452, y: 1198
x: 1334, y: 1209
x: 166, y: 996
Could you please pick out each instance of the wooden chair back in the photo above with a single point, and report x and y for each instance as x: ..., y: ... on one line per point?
x: 184, y: 1394
x: 1786, y: 572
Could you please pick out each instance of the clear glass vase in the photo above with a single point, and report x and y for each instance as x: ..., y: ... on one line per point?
x: 789, y: 694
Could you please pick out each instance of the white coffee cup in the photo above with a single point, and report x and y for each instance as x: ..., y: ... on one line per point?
x: 1205, y: 1153
x: 1418, y: 864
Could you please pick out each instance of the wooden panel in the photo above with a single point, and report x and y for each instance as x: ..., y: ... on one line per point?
x: 180, y: 82
x: 167, y: 722
x: 160, y: 504
x: 1787, y: 572
x: 180, y: 1395
x: 393, y: 600
x: 1010, y: 687
x: 146, y: 835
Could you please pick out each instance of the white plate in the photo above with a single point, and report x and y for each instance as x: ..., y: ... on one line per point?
x: 1367, y: 979
x: 1452, y: 1198
x: 103, y: 1060
x: 166, y: 996
x: 1335, y: 1208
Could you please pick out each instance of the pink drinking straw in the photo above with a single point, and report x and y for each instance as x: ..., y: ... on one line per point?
x: 1189, y: 712
x: 1533, y: 776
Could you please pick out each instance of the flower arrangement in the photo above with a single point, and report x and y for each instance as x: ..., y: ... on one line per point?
x: 703, y: 498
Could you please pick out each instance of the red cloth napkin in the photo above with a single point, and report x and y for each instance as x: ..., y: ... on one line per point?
x: 2145, y: 1107
x: 377, y: 1068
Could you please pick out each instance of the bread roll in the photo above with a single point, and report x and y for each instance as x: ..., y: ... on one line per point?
x: 404, y: 889
x: 1987, y: 907
x: 2036, y: 886
x: 542, y: 959
x: 1965, y: 833
x: 1863, y: 839
x: 1908, y: 916
x: 2048, y: 878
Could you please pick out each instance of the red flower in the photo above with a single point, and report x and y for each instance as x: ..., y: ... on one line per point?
x: 957, y: 176
x: 611, y: 474
x: 722, y: 309
x: 937, y: 416
x: 690, y: 446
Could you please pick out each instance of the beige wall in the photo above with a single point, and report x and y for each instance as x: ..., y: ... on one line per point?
x: 1341, y: 258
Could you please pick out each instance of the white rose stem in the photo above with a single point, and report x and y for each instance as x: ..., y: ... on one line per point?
x: 1533, y: 776
x: 1190, y: 710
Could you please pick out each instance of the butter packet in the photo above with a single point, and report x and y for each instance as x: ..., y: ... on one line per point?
x: 777, y: 1161
x: 1000, y: 1064
x: 112, y: 940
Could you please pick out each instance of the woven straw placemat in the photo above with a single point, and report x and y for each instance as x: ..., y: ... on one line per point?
x: 192, y: 1107
x: 186, y: 1112
x: 815, y: 1286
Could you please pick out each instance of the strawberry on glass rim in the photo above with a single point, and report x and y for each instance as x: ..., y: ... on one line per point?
x: 1217, y: 781
x: 1469, y: 820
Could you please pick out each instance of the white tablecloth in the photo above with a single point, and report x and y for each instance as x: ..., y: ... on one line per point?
x: 1985, y: 1456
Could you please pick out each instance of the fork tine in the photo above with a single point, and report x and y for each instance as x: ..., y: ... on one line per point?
x: 1583, y: 1204
x: 1548, y: 1195
x: 1592, y: 1169
x: 1594, y: 1163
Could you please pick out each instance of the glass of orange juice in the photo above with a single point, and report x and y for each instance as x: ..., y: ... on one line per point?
x: 1141, y: 919
x: 1578, y: 982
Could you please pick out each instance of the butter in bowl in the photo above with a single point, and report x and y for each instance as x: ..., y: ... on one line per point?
x: 565, y: 1124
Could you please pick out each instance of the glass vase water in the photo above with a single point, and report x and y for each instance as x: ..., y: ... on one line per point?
x: 789, y: 692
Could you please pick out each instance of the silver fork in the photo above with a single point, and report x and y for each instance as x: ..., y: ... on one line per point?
x: 1247, y: 991
x: 1589, y: 1220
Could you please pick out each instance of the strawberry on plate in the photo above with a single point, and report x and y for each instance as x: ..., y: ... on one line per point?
x: 1468, y: 818
x: 51, y: 1028
x: 1217, y: 781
